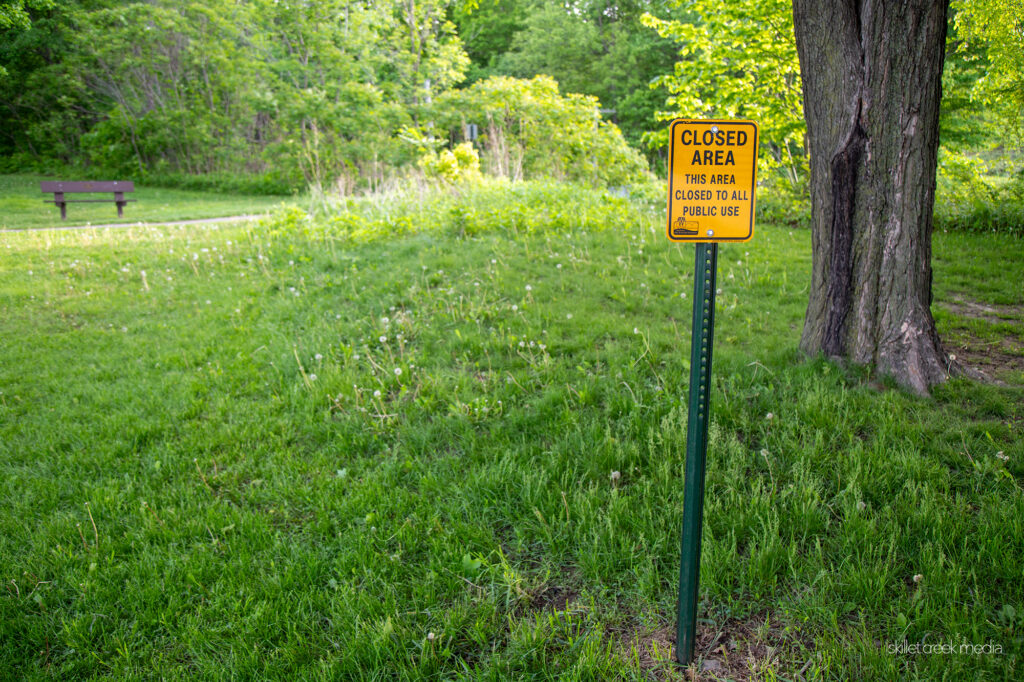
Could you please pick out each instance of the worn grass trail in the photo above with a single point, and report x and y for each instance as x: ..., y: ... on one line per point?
x: 303, y: 450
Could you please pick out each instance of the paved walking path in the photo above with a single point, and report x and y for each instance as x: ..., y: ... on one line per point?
x: 200, y: 221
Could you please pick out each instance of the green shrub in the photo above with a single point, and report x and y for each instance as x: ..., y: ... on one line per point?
x: 490, y: 206
x: 528, y: 130
x: 969, y: 198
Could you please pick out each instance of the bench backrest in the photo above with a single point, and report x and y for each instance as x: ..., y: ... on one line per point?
x: 88, y: 186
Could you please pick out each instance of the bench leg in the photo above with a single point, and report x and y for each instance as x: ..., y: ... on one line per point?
x: 63, y: 211
x: 120, y: 212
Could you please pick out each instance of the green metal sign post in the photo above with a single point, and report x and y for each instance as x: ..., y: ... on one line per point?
x: 712, y: 181
x: 702, y: 339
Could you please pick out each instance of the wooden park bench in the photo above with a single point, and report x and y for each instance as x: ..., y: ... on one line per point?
x: 59, y: 189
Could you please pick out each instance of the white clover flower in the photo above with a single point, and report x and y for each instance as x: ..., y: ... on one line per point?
x: 398, y: 371
x: 918, y: 578
x: 431, y: 636
x: 376, y: 394
x: 312, y: 377
x: 515, y: 308
x: 383, y: 339
x: 568, y: 316
x: 356, y: 356
x: 636, y: 330
x: 318, y: 357
x: 616, y: 475
x: 493, y: 261
x: 861, y: 506
x: 1002, y: 456
x: 558, y: 266
x: 718, y: 291
x: 769, y: 416
x: 522, y: 344
x: 529, y: 288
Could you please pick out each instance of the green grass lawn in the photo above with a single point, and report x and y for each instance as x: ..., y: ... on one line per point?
x: 22, y: 205
x: 443, y: 439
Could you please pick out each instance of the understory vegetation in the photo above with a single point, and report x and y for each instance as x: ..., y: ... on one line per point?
x: 441, y: 436
x: 269, y: 98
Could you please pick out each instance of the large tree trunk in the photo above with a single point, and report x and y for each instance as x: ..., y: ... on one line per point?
x: 872, y: 72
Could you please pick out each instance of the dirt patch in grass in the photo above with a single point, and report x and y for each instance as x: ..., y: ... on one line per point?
x: 737, y: 649
x: 999, y: 357
x: 988, y: 312
x: 553, y: 598
x: 991, y: 358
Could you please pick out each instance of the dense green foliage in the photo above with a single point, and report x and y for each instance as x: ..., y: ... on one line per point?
x: 210, y: 467
x: 528, y: 130
x: 993, y: 27
x: 299, y: 92
x: 272, y: 97
x: 739, y: 61
x: 291, y: 94
x: 593, y: 47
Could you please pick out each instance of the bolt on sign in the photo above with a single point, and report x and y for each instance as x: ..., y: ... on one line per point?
x: 711, y: 180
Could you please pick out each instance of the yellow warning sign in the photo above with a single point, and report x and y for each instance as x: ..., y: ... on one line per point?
x: 712, y: 175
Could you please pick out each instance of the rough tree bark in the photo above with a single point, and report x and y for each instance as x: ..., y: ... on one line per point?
x: 872, y: 72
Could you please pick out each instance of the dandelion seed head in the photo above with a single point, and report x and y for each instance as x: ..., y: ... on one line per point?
x: 312, y: 377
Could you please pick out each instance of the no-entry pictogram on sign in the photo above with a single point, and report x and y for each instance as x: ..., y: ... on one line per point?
x: 711, y: 180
